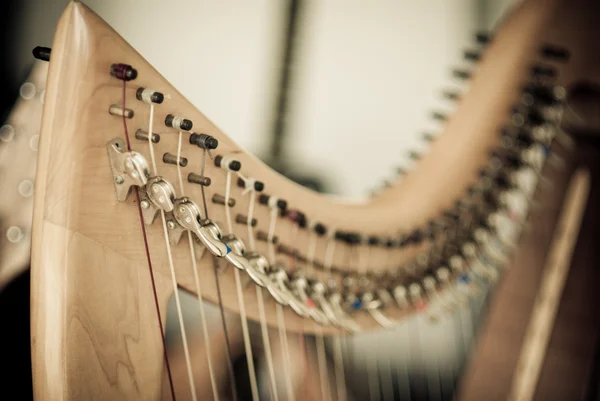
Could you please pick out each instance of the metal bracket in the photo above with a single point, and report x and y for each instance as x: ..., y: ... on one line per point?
x: 128, y: 168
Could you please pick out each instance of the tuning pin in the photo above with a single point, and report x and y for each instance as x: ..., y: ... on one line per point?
x: 483, y: 38
x: 124, y: 72
x: 170, y: 158
x: 461, y: 74
x: 414, y: 155
x: 179, y: 123
x: 204, y: 141
x: 250, y: 184
x: 472, y: 55
x: 143, y: 136
x: 401, y: 296
x: 220, y: 199
x: 416, y: 296
x: 537, y: 94
x: 430, y: 284
x: 451, y: 95
x: 199, y: 179
x: 429, y: 137
x: 555, y: 53
x: 272, y: 202
x: 42, y: 53
x: 439, y: 116
x: 227, y: 163
x: 148, y: 96
x: 543, y: 71
x: 120, y: 111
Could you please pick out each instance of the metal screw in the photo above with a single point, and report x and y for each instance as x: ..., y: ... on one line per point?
x: 119, y: 180
x: 145, y: 204
x: 171, y: 224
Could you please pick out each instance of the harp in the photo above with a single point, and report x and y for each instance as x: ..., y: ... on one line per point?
x: 138, y: 193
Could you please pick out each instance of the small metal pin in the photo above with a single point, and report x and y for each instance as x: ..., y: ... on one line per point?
x: 42, y: 53
x: 544, y: 71
x: 119, y: 111
x: 414, y: 155
x: 436, y: 115
x: 429, y: 137
x: 263, y: 236
x: 472, y: 55
x: 555, y: 53
x: 461, y: 74
x: 451, y: 95
x: 220, y: 199
x: 483, y: 38
x: 172, y: 159
x: 244, y: 220
x: 143, y: 136
x: 199, y: 179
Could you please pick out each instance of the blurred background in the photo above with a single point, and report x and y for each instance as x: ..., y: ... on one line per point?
x: 291, y: 81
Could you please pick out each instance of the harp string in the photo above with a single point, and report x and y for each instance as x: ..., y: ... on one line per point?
x: 148, y: 258
x: 319, y: 338
x: 232, y: 378
x: 241, y: 305
x: 205, y: 333
x: 186, y: 351
x: 338, y: 360
x: 259, y: 294
x: 283, y: 339
x: 372, y: 377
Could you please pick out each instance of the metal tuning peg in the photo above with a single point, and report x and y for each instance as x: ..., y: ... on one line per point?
x: 430, y: 286
x: 187, y: 214
x: 257, y: 269
x: 300, y: 284
x: 401, y: 296
x: 281, y: 280
x: 469, y: 250
x: 344, y: 320
x: 448, y: 297
x: 416, y: 296
x: 159, y: 195
x: 319, y: 293
x: 373, y: 305
x: 128, y: 168
x: 238, y: 249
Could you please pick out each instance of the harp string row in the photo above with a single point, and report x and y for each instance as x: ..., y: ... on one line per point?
x: 462, y: 256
